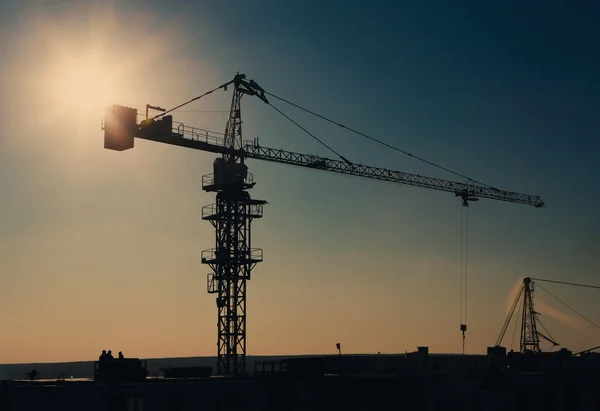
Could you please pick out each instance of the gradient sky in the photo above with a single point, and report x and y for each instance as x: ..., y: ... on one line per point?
x: 101, y: 250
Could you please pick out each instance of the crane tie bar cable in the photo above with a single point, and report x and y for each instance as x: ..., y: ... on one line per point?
x: 569, y: 307
x: 310, y: 134
x: 566, y: 283
x: 378, y: 141
x: 520, y: 308
x: 194, y: 99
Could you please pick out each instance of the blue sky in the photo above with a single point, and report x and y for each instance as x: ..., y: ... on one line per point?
x: 505, y: 94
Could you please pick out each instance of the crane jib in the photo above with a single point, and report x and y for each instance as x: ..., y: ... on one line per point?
x: 472, y: 191
x: 120, y: 129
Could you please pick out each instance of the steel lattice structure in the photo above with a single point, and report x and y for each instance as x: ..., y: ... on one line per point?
x: 231, y: 262
x: 232, y: 259
x: 529, y: 340
x: 530, y: 337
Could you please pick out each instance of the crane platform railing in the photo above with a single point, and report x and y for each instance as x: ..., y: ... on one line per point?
x: 180, y: 130
x: 213, y: 255
x: 196, y: 134
x: 211, y: 211
x: 208, y: 180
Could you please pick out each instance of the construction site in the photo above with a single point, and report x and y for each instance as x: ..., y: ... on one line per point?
x: 526, y: 378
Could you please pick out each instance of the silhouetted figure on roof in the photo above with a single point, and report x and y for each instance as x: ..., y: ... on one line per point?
x: 31, y: 375
x: 121, y: 355
x: 103, y: 355
x: 109, y: 355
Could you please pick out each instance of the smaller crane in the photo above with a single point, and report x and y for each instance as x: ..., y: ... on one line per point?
x: 530, y: 336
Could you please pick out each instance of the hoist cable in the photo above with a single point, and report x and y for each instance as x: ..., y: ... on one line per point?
x: 461, y: 264
x: 466, y: 261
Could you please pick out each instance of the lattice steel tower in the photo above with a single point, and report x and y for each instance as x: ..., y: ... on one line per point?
x: 232, y: 259
x: 530, y: 338
x: 530, y: 335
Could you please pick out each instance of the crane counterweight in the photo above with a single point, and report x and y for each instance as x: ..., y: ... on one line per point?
x: 120, y: 127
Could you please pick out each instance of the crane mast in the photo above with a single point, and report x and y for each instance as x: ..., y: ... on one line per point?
x: 530, y: 336
x: 232, y: 259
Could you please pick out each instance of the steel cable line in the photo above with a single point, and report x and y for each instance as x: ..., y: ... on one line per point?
x: 378, y: 141
x: 310, y: 134
x: 569, y: 307
x: 194, y: 99
x: 567, y: 283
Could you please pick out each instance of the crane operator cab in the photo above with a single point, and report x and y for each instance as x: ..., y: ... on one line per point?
x: 227, y: 173
x: 120, y: 128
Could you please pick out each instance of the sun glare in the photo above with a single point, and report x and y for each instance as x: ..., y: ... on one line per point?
x: 81, y: 85
x: 86, y: 58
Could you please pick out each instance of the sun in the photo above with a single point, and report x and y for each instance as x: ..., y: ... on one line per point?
x: 80, y: 60
x: 81, y: 84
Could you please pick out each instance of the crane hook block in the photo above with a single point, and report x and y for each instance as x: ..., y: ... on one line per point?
x: 120, y: 126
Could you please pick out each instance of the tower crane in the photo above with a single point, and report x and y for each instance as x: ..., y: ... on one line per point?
x: 232, y: 259
x: 530, y: 336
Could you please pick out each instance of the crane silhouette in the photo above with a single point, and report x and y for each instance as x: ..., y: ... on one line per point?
x: 232, y: 259
x: 530, y: 321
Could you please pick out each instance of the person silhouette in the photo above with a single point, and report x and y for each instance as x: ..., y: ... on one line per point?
x: 121, y: 355
x: 109, y: 355
x: 31, y: 375
x: 103, y: 355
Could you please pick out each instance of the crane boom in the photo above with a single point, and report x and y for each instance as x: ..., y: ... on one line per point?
x: 190, y: 137
x: 376, y: 173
